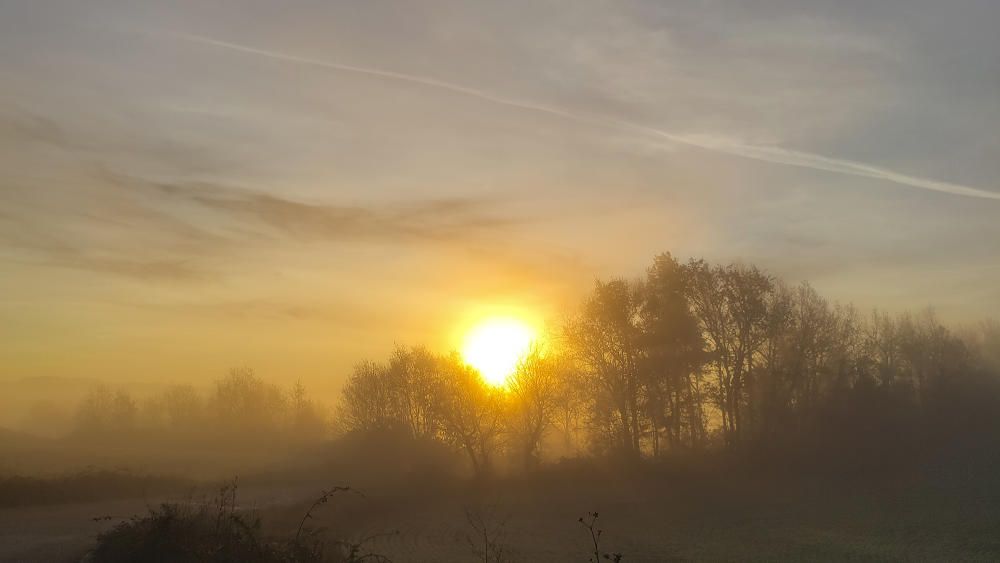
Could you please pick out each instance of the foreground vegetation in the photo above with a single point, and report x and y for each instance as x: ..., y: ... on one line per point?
x: 222, y: 532
x: 719, y: 509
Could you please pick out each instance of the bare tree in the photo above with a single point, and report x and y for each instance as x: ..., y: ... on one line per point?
x: 731, y: 305
x: 673, y: 354
x: 246, y: 405
x: 413, y: 375
x: 368, y: 401
x: 106, y: 411
x: 606, y: 341
x: 470, y: 413
x: 534, y: 394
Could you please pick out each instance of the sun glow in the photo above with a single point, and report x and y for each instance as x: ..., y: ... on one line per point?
x: 494, y: 347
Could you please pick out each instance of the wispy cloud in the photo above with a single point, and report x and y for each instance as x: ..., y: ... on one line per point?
x: 192, y: 227
x: 428, y: 220
x: 45, y: 249
x: 763, y: 153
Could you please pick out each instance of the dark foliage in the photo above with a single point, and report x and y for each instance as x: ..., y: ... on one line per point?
x: 222, y: 532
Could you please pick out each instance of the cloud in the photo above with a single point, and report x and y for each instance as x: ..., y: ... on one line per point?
x: 104, y: 137
x: 31, y: 244
x: 20, y: 126
x: 192, y: 227
x: 769, y: 154
x: 427, y: 220
x: 136, y: 268
x: 801, y: 159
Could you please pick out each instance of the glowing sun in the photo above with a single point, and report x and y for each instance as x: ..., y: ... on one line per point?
x: 494, y: 347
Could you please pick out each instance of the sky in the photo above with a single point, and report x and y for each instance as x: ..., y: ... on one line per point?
x: 295, y: 186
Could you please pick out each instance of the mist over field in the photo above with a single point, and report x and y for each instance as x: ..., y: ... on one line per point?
x: 754, y: 418
x: 502, y: 282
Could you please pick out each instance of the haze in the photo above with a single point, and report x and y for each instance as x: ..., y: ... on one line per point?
x: 332, y: 281
x: 294, y: 186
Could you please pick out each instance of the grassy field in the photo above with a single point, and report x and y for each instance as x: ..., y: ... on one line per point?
x: 653, y: 514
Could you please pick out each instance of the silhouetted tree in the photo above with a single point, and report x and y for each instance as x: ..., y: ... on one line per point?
x: 413, y: 376
x: 534, y: 392
x: 696, y: 350
x: 470, y: 413
x: 246, y: 405
x: 106, y: 411
x: 731, y: 305
x: 368, y: 403
x: 606, y: 341
x: 673, y: 357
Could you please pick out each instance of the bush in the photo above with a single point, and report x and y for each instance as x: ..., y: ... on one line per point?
x: 219, y: 532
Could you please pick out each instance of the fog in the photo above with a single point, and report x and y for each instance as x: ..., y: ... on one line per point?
x: 439, y: 281
x: 696, y: 383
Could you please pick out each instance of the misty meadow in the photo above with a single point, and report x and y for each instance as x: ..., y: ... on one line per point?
x: 501, y: 282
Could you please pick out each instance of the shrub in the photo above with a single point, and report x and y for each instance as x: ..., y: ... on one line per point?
x: 220, y: 532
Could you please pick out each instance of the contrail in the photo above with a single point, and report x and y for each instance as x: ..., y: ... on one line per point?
x: 763, y: 153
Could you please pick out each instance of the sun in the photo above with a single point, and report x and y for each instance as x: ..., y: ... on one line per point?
x: 494, y: 346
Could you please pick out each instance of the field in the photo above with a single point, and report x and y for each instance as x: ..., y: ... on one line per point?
x: 652, y: 514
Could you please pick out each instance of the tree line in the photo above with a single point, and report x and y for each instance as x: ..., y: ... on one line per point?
x: 239, y: 407
x: 696, y: 357
x: 692, y: 357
